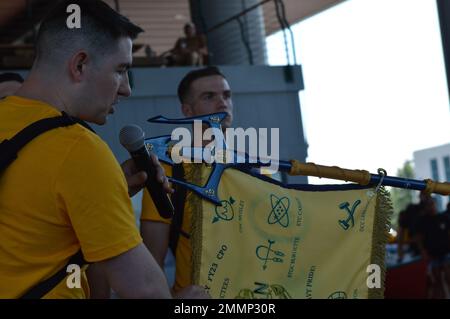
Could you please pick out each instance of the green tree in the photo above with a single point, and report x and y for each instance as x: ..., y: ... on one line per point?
x: 401, y: 198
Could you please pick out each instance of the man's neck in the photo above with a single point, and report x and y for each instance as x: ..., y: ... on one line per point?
x: 35, y: 88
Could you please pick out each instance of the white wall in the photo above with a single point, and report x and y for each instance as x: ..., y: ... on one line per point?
x: 422, y: 166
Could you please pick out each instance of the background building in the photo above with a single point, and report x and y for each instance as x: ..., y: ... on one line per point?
x: 434, y: 163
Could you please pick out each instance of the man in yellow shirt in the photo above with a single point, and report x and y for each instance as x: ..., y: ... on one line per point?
x: 66, y: 191
x: 200, y: 92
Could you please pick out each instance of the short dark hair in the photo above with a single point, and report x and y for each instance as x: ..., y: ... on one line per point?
x: 100, y: 27
x: 186, y: 82
x: 9, y: 76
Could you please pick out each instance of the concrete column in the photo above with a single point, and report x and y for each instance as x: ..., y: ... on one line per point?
x: 225, y: 44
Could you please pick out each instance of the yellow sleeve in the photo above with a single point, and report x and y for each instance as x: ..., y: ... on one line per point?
x: 91, y: 187
x: 149, y: 211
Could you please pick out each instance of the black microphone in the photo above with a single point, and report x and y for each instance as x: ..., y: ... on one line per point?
x: 132, y: 138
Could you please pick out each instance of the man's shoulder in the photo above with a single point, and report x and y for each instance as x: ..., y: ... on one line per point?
x: 84, y: 135
x: 18, y: 113
x: 82, y: 143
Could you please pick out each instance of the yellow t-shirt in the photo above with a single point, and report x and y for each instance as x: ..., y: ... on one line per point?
x: 183, y: 254
x: 64, y: 191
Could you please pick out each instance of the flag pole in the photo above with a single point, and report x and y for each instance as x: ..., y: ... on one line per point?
x: 363, y: 177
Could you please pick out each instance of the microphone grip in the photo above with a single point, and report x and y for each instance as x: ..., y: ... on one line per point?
x: 158, y: 194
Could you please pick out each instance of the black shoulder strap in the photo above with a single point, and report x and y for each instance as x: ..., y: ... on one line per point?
x: 10, y: 148
x: 178, y: 200
x: 8, y: 153
x: 44, y: 287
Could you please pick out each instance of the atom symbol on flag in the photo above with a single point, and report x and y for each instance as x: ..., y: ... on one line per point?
x: 279, y: 213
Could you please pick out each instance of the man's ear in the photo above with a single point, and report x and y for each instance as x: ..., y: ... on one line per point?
x: 77, y: 65
x: 187, y: 110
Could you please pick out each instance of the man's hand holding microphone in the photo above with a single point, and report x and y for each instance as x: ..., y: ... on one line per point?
x: 136, y: 178
x: 132, y: 138
x: 145, y: 170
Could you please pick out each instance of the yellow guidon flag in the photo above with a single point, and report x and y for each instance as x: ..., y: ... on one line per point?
x: 274, y: 241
